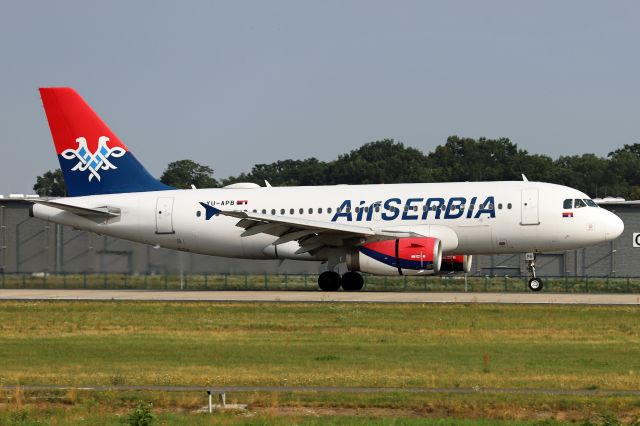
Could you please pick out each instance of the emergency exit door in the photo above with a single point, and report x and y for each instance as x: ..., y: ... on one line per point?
x: 529, y: 207
x: 164, y: 215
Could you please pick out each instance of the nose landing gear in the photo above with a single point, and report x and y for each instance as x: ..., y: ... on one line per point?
x: 535, y: 283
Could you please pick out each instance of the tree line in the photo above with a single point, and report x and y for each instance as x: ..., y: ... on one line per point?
x: 390, y: 161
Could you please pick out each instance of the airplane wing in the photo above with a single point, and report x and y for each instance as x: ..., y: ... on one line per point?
x: 310, y: 234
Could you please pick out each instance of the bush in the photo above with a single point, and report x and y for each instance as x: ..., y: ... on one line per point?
x: 142, y: 415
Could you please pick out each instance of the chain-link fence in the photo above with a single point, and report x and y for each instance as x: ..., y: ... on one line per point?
x: 457, y: 283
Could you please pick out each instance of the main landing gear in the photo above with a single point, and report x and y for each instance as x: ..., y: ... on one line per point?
x: 535, y: 283
x: 331, y: 281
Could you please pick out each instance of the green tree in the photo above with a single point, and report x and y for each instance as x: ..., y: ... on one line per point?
x: 625, y: 163
x: 310, y: 171
x: 383, y: 161
x: 467, y: 159
x: 184, y: 173
x: 590, y: 174
x: 51, y: 184
x: 459, y: 159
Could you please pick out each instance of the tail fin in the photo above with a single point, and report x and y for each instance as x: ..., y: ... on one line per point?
x: 92, y: 158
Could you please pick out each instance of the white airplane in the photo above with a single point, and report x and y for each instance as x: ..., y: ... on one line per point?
x: 398, y: 229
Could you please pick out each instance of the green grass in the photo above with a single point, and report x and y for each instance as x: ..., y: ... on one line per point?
x: 110, y: 408
x: 79, y: 416
x: 319, y: 344
x: 403, y: 345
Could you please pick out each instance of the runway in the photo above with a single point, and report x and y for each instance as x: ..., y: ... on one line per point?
x: 319, y: 297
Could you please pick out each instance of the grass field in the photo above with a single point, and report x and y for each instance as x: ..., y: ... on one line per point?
x: 485, y: 346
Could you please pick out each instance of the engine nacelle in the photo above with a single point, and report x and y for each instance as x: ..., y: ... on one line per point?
x: 456, y: 263
x: 402, y: 256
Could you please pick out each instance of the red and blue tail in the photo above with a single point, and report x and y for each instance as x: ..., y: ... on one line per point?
x: 92, y: 158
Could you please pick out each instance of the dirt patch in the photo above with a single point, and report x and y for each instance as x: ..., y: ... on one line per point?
x: 427, y: 411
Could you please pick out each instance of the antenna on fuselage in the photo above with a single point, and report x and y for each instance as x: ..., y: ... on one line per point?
x: 524, y: 178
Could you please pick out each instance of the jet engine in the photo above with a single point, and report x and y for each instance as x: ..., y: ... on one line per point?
x: 402, y: 256
x: 456, y: 263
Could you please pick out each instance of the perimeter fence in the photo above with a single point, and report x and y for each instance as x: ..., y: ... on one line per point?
x: 454, y: 283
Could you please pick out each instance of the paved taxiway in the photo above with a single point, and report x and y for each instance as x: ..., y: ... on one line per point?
x: 318, y: 296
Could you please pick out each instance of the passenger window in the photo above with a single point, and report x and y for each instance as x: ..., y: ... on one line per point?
x: 499, y: 206
x: 198, y: 213
x: 567, y: 203
x: 264, y: 211
x: 357, y: 209
x: 579, y: 203
x: 291, y: 211
x: 509, y: 206
x: 301, y: 211
x: 319, y: 209
x: 281, y: 211
x: 377, y: 209
x: 273, y: 211
x: 255, y: 211
x: 329, y: 210
x: 310, y: 211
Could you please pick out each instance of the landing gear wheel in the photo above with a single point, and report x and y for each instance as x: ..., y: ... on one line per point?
x: 535, y: 284
x: 352, y: 281
x: 329, y: 281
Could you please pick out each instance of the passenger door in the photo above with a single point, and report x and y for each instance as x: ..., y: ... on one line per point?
x: 164, y: 215
x: 529, y: 207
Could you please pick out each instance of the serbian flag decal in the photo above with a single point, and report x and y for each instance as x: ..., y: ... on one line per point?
x: 567, y: 214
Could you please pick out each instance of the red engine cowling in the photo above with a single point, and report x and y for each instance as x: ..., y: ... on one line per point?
x: 456, y: 263
x: 402, y: 256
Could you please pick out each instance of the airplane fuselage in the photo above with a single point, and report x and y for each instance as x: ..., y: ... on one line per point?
x: 469, y: 217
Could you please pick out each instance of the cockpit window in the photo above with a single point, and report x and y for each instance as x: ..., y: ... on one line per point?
x: 567, y: 204
x: 579, y: 203
x: 591, y: 203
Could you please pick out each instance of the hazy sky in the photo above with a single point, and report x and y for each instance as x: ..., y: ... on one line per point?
x: 237, y: 83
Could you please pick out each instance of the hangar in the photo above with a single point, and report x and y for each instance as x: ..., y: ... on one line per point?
x: 29, y: 245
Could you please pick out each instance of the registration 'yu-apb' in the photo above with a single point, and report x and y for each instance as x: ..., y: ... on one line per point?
x: 399, y: 229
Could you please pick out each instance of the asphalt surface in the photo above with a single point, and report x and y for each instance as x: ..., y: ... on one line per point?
x: 334, y: 389
x: 318, y: 296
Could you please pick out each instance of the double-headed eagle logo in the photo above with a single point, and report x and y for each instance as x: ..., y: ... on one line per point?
x: 98, y: 160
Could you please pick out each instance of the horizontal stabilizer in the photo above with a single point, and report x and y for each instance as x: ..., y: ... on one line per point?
x: 105, y: 212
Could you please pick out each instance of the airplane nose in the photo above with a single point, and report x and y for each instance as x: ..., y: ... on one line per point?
x: 613, y: 227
